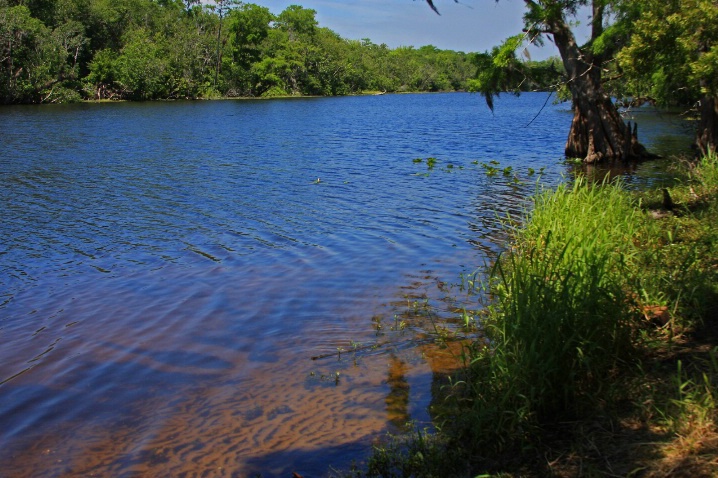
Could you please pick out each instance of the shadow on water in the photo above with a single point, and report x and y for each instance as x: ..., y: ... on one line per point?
x: 634, y: 175
x: 309, y: 461
x: 397, y: 400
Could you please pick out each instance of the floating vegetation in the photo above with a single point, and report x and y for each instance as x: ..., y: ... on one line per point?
x: 430, y: 163
x: 328, y: 378
x: 491, y: 168
x: 418, y: 321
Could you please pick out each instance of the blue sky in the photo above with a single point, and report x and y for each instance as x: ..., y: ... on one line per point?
x: 472, y: 25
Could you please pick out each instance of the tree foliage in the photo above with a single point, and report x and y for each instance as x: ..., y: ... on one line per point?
x: 499, y: 71
x: 37, y: 63
x: 65, y: 50
x: 672, y: 54
x: 671, y: 57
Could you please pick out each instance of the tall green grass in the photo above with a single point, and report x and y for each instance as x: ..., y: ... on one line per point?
x: 706, y: 172
x: 559, y: 325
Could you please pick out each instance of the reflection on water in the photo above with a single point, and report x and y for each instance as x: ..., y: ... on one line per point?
x: 397, y: 400
x: 168, y: 271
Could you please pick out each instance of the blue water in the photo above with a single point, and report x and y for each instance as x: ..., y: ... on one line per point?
x: 168, y: 271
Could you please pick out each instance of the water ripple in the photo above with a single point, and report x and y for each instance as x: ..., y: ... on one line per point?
x: 167, y: 271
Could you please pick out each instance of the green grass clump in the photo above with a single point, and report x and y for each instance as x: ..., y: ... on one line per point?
x: 419, y: 454
x: 560, y: 321
x: 706, y: 173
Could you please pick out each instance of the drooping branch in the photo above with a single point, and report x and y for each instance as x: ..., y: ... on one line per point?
x: 433, y: 7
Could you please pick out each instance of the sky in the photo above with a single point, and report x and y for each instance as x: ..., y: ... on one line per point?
x: 469, y: 26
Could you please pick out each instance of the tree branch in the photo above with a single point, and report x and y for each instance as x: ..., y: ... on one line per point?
x: 543, y: 31
x: 597, y: 20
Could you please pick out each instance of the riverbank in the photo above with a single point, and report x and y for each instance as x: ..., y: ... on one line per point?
x: 599, y: 353
x: 274, y: 97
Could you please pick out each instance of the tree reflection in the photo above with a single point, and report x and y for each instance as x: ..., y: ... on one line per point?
x: 397, y: 401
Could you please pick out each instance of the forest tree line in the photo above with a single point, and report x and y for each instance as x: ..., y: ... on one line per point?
x: 69, y: 50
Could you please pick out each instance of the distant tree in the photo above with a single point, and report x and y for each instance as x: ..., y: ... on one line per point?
x: 221, y: 8
x: 297, y: 21
x: 191, y: 49
x: 103, y: 74
x: 142, y: 69
x: 37, y: 63
x: 249, y: 25
x: 190, y: 4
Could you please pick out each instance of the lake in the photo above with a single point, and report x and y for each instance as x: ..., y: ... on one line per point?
x: 168, y: 272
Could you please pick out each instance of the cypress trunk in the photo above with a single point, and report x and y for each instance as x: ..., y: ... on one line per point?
x: 707, y: 138
x: 598, y: 133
